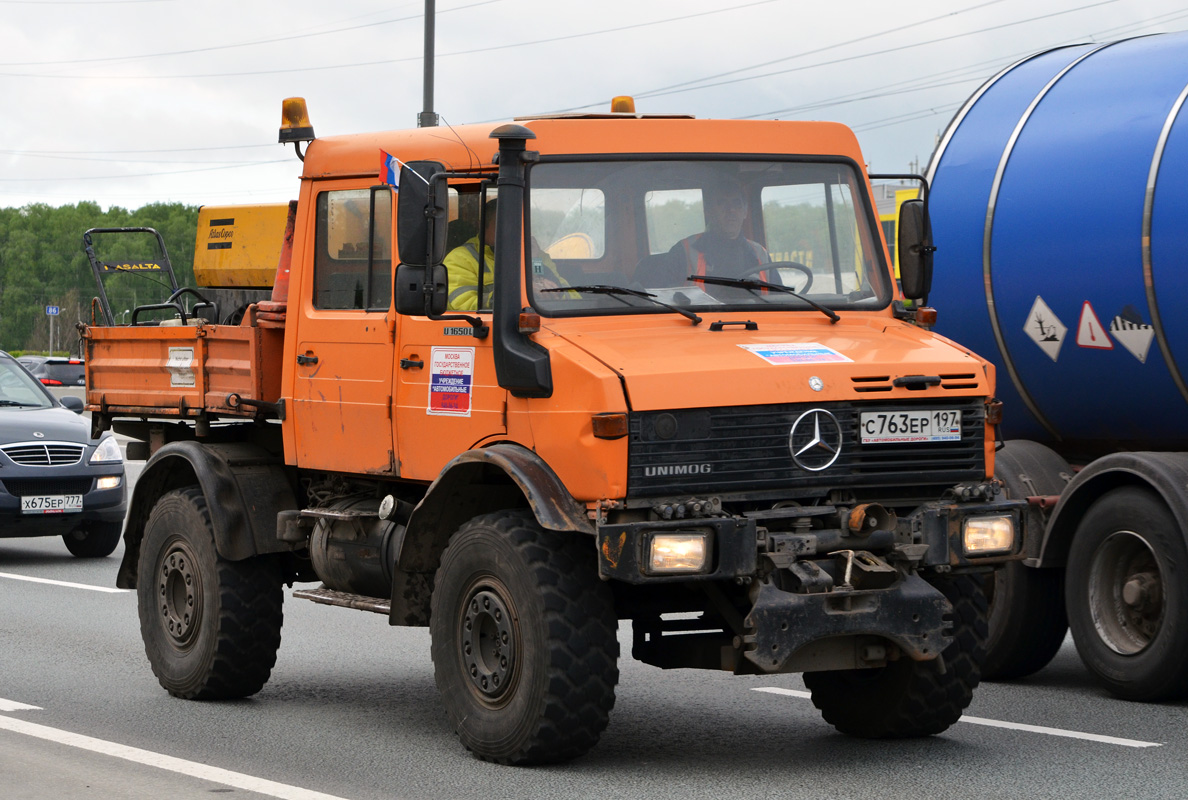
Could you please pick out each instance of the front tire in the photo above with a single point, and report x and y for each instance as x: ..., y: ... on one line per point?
x: 1127, y: 595
x: 523, y: 640
x: 211, y: 627
x: 95, y: 540
x: 911, y: 698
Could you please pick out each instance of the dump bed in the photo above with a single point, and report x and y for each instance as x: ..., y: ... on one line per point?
x: 185, y: 370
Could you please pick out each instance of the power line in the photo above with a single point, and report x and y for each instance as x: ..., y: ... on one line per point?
x: 139, y: 175
x: 274, y: 40
x: 387, y: 61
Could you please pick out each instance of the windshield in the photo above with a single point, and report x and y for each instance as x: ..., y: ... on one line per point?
x: 701, y: 235
x: 18, y: 389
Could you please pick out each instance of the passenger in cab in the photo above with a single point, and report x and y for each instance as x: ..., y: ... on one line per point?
x: 462, y: 265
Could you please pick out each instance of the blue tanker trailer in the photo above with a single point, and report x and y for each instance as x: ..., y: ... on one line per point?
x: 1059, y: 210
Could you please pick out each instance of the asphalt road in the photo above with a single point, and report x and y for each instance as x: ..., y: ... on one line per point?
x: 351, y: 712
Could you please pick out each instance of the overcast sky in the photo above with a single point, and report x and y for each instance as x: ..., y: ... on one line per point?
x: 127, y: 102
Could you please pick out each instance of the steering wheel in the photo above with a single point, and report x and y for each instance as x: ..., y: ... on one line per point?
x: 768, y: 265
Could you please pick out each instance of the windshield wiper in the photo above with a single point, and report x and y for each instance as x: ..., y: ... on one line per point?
x: 751, y: 283
x: 620, y: 290
x: 15, y: 403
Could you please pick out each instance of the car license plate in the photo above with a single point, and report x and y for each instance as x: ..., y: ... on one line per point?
x: 899, y: 427
x: 52, y: 504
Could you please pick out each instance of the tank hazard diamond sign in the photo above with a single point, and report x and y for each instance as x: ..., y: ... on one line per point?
x: 1045, y: 328
x: 1133, y: 333
x: 451, y: 373
x: 1090, y: 332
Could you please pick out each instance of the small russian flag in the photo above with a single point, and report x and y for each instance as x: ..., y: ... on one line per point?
x: 389, y: 169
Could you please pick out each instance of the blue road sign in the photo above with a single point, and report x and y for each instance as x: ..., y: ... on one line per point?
x: 51, y: 311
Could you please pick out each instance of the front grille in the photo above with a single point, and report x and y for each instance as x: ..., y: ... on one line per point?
x: 35, y: 487
x: 44, y: 454
x: 742, y: 449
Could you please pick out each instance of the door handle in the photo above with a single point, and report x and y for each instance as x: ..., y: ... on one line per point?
x: 411, y: 363
x: 304, y: 360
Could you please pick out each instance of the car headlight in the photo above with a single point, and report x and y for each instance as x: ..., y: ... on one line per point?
x: 107, y: 452
x: 677, y: 552
x: 986, y: 535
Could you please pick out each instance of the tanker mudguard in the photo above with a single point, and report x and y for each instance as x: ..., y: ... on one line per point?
x: 1166, y: 473
x: 245, y: 488
x: 478, y: 481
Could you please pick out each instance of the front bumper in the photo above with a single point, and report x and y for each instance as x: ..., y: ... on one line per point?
x: 99, y: 505
x: 817, y: 597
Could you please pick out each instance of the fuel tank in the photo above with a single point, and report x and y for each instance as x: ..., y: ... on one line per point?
x: 1059, y: 207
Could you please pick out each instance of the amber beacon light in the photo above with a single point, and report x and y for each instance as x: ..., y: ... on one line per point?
x: 295, y: 125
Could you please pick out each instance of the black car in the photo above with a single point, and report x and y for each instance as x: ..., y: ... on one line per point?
x: 56, y: 370
x: 55, y: 480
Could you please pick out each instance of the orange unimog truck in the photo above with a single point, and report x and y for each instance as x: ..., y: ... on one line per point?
x: 768, y: 469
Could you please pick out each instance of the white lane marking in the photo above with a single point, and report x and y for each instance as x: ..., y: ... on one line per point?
x: 13, y: 705
x: 67, y: 584
x: 203, y: 772
x: 994, y: 723
x: 1092, y: 737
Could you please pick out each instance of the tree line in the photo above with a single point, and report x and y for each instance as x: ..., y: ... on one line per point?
x: 42, y: 263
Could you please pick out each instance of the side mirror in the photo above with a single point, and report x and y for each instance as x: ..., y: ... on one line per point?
x: 73, y: 403
x: 422, y: 213
x: 915, y: 250
x: 410, y: 290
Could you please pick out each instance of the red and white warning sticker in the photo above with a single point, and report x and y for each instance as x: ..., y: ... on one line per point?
x: 1090, y: 332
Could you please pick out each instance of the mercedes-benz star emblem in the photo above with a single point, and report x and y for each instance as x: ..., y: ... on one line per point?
x: 39, y: 434
x: 815, y: 440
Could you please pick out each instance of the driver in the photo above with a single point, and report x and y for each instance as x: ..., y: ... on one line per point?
x: 721, y: 250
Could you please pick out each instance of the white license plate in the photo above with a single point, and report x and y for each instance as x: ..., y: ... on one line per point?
x: 887, y: 427
x: 52, y: 504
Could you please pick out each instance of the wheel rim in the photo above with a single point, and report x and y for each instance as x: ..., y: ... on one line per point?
x: 1126, y: 593
x: 488, y: 638
x: 179, y: 594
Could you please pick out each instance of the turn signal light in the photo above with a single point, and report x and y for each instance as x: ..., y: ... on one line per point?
x: 609, y: 426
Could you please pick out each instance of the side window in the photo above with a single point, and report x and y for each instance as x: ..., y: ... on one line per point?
x: 672, y: 215
x: 353, y: 256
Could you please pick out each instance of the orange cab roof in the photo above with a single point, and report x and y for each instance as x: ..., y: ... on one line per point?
x: 470, y: 146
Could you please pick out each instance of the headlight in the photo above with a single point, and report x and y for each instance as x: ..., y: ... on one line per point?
x: 678, y: 552
x: 108, y: 451
x: 985, y: 535
x: 108, y: 482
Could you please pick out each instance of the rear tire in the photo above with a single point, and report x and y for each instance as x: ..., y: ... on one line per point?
x: 524, y: 640
x: 1127, y: 595
x: 95, y: 540
x: 911, y: 698
x: 211, y: 627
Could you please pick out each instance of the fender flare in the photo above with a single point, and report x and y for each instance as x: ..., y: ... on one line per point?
x: 1164, y: 473
x: 479, y: 481
x: 245, y: 488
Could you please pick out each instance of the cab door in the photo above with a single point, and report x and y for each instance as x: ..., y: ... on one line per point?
x: 342, y: 396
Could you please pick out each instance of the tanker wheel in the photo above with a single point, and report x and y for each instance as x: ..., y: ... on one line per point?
x: 523, y: 640
x: 911, y: 698
x: 94, y: 540
x: 1127, y: 595
x: 211, y: 627
x: 1027, y: 617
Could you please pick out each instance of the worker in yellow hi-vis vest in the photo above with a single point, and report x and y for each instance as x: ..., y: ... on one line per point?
x: 462, y: 264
